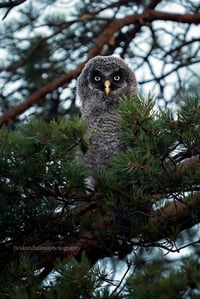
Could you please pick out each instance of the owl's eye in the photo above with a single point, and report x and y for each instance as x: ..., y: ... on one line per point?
x: 97, y: 78
x: 116, y: 77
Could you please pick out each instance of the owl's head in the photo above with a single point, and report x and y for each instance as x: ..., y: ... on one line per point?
x: 106, y: 78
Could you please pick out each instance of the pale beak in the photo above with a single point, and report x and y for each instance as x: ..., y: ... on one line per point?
x: 107, y: 87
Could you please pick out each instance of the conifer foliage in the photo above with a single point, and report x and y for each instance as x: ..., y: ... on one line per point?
x: 126, y: 239
x: 146, y: 196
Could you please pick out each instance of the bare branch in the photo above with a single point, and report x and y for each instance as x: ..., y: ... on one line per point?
x: 147, y: 16
x: 10, y: 5
x: 39, y: 96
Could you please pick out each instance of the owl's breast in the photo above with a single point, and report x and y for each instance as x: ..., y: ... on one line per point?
x: 104, y: 141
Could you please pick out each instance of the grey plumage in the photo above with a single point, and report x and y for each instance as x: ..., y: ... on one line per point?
x: 102, y: 82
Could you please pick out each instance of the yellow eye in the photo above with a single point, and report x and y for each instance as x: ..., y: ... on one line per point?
x: 97, y: 78
x: 116, y: 78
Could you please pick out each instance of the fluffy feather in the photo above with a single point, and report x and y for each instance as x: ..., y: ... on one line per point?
x: 100, y: 110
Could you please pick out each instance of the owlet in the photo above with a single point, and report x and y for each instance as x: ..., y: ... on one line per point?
x: 101, y: 84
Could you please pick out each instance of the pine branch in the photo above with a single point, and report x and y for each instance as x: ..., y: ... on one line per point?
x: 96, y: 245
x: 114, y: 26
x: 174, y: 214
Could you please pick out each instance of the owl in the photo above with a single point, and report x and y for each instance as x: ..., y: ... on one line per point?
x: 101, y: 84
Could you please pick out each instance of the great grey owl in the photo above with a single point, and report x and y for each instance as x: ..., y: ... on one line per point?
x: 101, y: 84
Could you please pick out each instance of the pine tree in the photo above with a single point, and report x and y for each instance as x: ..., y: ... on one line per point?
x: 146, y: 197
x: 127, y: 239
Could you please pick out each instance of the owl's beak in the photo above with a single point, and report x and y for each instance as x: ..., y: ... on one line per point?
x: 107, y: 87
